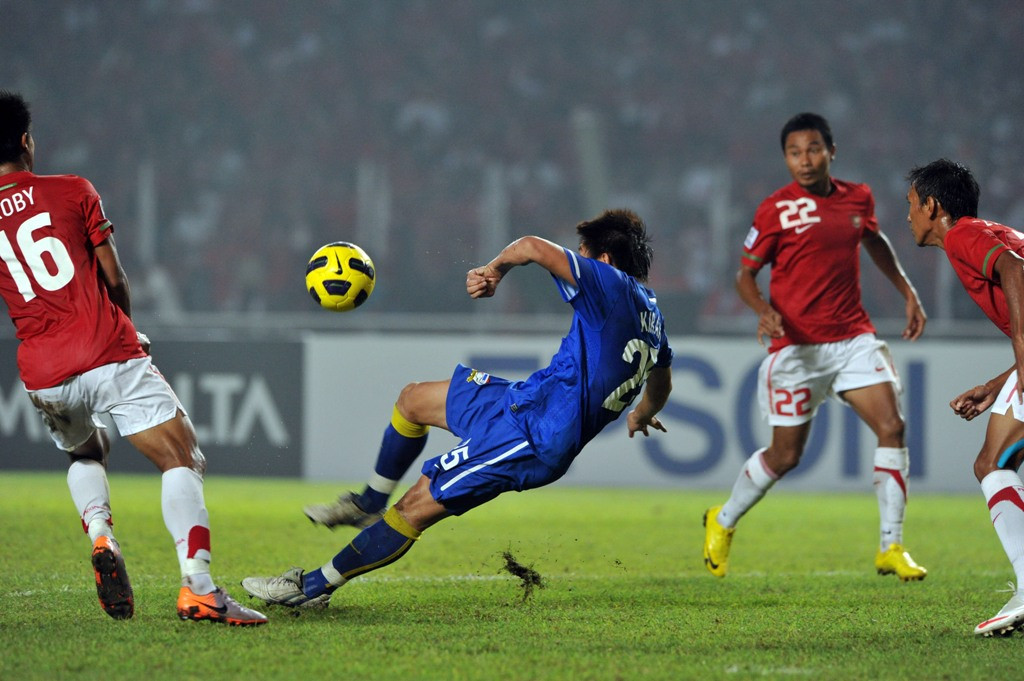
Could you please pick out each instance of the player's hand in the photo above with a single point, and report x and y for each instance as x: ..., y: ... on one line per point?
x: 916, y: 319
x: 769, y: 324
x: 635, y: 422
x: 481, y: 282
x: 973, y: 402
x: 143, y: 341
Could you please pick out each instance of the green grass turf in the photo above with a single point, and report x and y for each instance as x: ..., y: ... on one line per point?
x: 625, y: 593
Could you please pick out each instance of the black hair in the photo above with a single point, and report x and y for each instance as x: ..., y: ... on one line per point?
x: 623, y: 236
x: 951, y: 184
x: 15, y: 121
x: 807, y: 121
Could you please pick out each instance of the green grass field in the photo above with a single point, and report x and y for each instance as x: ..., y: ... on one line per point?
x: 625, y: 594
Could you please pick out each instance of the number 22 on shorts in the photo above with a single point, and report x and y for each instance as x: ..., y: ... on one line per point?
x: 791, y: 402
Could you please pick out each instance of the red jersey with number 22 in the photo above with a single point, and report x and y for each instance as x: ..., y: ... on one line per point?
x: 813, y: 246
x: 972, y: 246
x: 49, y: 278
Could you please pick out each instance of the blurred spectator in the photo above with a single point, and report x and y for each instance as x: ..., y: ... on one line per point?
x: 257, y: 114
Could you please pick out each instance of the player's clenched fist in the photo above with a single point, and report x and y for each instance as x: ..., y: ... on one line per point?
x: 481, y: 282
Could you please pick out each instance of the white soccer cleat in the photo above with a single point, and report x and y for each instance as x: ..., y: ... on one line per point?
x: 344, y: 511
x: 1007, y: 620
x: 284, y: 590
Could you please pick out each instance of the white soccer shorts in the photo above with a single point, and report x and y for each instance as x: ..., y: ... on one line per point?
x: 793, y: 382
x: 133, y: 393
x: 1008, y: 400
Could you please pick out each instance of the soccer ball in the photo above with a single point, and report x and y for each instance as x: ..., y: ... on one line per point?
x: 340, y: 276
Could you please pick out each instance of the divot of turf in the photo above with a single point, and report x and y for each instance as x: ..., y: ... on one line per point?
x: 528, y: 577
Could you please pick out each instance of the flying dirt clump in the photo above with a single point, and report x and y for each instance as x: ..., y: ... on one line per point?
x: 528, y: 577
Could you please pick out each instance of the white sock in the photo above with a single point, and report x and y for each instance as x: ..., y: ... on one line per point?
x: 1004, y: 493
x: 378, y: 483
x: 188, y: 522
x: 754, y: 480
x: 892, y: 469
x: 90, y: 492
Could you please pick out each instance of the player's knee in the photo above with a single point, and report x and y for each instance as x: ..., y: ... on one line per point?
x: 983, y: 466
x: 891, y: 430
x: 408, y: 403
x: 1007, y: 459
x: 96, y: 448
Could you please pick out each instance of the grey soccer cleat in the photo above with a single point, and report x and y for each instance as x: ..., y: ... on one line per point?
x: 284, y: 590
x: 344, y: 511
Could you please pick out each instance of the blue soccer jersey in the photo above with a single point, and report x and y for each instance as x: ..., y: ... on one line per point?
x: 617, y: 336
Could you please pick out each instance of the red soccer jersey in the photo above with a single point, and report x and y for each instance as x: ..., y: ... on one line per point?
x: 49, y: 225
x: 972, y: 246
x: 813, y: 246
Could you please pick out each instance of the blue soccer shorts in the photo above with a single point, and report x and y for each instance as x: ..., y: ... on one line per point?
x: 493, y: 457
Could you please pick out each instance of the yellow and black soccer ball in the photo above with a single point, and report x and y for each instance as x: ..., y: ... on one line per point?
x: 340, y: 276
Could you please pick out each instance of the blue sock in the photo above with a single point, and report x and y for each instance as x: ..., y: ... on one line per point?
x: 378, y: 545
x: 314, y: 584
x: 397, y: 453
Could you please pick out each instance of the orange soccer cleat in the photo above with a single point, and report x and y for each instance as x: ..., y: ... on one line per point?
x: 112, y: 585
x: 216, y: 606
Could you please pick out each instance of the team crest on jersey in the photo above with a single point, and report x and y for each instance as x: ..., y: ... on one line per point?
x: 855, y: 221
x: 751, y: 237
x: 478, y: 377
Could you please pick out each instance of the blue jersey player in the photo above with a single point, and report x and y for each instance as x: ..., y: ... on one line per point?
x: 514, y: 435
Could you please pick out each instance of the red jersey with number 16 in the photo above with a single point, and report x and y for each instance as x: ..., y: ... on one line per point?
x: 813, y: 246
x: 972, y: 246
x: 49, y: 278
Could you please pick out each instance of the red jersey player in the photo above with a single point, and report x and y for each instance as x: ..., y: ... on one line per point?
x: 989, y: 260
x: 80, y: 356
x: 821, y: 340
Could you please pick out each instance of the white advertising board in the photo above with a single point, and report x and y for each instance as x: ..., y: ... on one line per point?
x: 713, y: 421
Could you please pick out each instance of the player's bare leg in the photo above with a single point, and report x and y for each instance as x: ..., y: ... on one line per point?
x: 419, y: 406
x: 878, y: 406
x: 381, y: 544
x: 756, y: 477
x: 172, y: 446
x: 996, y: 469
x: 90, y: 492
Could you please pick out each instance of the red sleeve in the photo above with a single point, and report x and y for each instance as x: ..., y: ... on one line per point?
x: 870, y: 221
x: 759, y: 246
x: 975, y: 249
x: 97, y: 226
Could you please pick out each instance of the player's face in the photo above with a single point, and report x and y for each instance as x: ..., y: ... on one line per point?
x: 917, y: 216
x: 808, y: 159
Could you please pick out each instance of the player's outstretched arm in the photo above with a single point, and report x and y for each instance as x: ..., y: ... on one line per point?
x: 481, y: 282
x: 769, y: 321
x: 884, y: 257
x: 656, y: 392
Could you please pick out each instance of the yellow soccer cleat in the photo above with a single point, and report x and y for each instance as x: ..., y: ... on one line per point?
x: 896, y: 561
x: 717, y: 540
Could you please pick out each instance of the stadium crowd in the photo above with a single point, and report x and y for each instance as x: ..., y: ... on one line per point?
x: 256, y: 117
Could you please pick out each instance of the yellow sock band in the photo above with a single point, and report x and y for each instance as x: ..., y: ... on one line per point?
x: 405, y: 427
x: 399, y: 524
